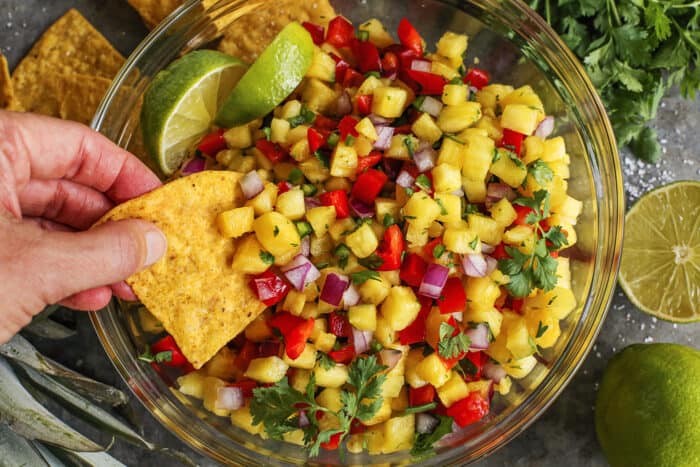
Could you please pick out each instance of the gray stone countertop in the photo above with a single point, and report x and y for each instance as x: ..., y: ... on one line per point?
x: 565, y: 433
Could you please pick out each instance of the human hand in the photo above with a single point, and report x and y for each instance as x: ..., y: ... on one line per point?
x: 56, y: 179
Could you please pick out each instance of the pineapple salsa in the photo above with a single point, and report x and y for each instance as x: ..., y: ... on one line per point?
x: 404, y: 224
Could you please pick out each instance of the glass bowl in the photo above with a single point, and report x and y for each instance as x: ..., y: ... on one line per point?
x: 517, y: 47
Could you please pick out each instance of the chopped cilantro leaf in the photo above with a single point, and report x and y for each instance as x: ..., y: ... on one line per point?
x: 360, y: 277
x: 266, y: 257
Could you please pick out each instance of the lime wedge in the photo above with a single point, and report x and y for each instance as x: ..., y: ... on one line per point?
x: 181, y: 102
x: 660, y: 269
x: 271, y: 78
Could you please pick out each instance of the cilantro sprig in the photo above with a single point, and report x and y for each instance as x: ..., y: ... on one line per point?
x: 277, y: 407
x: 423, y: 442
x: 537, y: 269
x: 453, y: 342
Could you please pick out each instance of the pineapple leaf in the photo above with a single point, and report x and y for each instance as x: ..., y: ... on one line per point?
x: 82, y: 407
x: 21, y: 350
x: 49, y: 457
x: 26, y: 417
x: 90, y: 459
x: 17, y: 450
x: 48, y: 329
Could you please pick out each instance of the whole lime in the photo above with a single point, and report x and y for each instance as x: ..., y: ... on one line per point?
x: 648, y: 407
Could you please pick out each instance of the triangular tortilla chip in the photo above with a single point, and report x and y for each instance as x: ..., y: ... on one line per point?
x: 7, y: 95
x: 193, y: 290
x: 154, y: 11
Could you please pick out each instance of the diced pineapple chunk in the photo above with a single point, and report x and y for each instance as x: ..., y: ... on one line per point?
x: 321, y: 218
x: 377, y: 34
x: 267, y: 369
x: 542, y: 327
x: 389, y: 101
x: 279, y: 129
x: 442, y: 69
x: 265, y: 200
x: 559, y: 302
x: 384, y: 333
x: 453, y: 390
x: 450, y: 208
x: 525, y: 95
x: 461, y: 240
x: 333, y: 377
x: 239, y: 137
x: 421, y: 210
x: 452, y: 45
x: 474, y: 190
x: 383, y: 414
x: 482, y: 293
x: 570, y: 209
x: 399, y: 433
x: 398, y: 148
x: 533, y: 148
x: 433, y: 370
x: 363, y: 317
x: 392, y: 386
x: 508, y: 168
x: 414, y: 357
x: 491, y: 96
x: 519, y: 342
x: 425, y: 128
x: 222, y: 365
x: 520, y: 118
x: 291, y: 204
x: 210, y: 395
x: 235, y: 222
x: 375, y: 292
x: 454, y: 94
x: 343, y: 161
x: 317, y: 95
x: 492, y: 126
x: 486, y: 228
x: 384, y: 207
x: 330, y: 399
x: 362, y: 241
x: 400, y: 307
x: 325, y: 341
x: 192, y: 384
x: 553, y: 149
x: 369, y: 85
x: 503, y: 212
x: 322, y: 66
x: 341, y: 227
x: 306, y: 360
x: 258, y: 330
x: 477, y: 157
x: 518, y: 235
x: 452, y: 152
x: 365, y: 127
x: 446, y: 178
x: 490, y: 316
x: 276, y: 233
x: 248, y: 257
x: 455, y: 118
x: 520, y: 368
x: 242, y: 418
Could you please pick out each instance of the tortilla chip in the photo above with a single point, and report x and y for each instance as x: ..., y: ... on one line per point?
x: 71, y: 96
x: 201, y: 301
x: 7, y: 96
x: 154, y: 11
x: 71, y: 44
x: 248, y: 36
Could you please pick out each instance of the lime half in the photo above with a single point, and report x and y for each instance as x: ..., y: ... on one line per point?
x: 181, y: 103
x: 660, y: 270
x: 271, y: 78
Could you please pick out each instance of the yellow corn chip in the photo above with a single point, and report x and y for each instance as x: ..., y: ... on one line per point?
x: 7, y: 97
x: 154, y: 11
x: 248, y: 36
x: 201, y: 301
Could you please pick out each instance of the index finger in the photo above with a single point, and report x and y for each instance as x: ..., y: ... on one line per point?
x: 47, y: 148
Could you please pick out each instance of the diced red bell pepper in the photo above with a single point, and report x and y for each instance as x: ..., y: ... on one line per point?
x: 347, y: 127
x: 453, y: 297
x: 522, y: 213
x: 352, y: 78
x: 368, y: 185
x: 343, y: 355
x: 516, y: 304
x: 168, y: 344
x: 403, y: 54
x: 339, y: 325
x: 390, y: 63
x: 212, y: 143
x: 315, y: 138
x: 370, y: 160
x: 333, y: 442
x: 402, y: 129
x: 429, y: 248
x: 341, y: 67
x: 469, y: 410
x: 317, y: 32
x: 248, y: 352
x: 554, y: 254
x: 477, y: 77
x: 500, y: 252
x: 512, y: 140
x: 421, y: 396
x: 269, y: 287
x: 409, y: 37
x: 357, y: 427
x: 430, y: 83
x: 391, y: 248
x: 413, y: 269
x: 325, y: 123
x: 272, y: 151
x: 283, y: 187
x: 268, y: 349
x: 477, y: 359
x: 246, y: 386
x: 295, y: 331
x: 337, y: 199
x: 364, y: 104
x: 340, y: 32
x: 415, y: 332
x: 367, y: 56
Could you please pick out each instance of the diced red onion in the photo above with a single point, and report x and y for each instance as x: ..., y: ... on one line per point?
x: 424, y: 159
x: 194, y: 165
x: 333, y: 288
x: 361, y: 340
x: 491, y: 264
x: 434, y: 280
x: 384, y: 135
x: 426, y: 423
x: 391, y: 76
x: 305, y: 248
x: 379, y: 121
x: 251, y: 184
x: 300, y: 271
x: 390, y: 357
x: 263, y: 290
x: 361, y: 209
x: 474, y: 265
x: 405, y: 179
x: 496, y: 192
x: 486, y: 248
x: 494, y: 372
x: 303, y: 419
x: 351, y: 296
x: 228, y: 398
x: 343, y: 105
x: 431, y: 106
x: 459, y: 193
x: 545, y: 128
x: 458, y: 315
x: 311, y: 203
x: 478, y: 337
x: 421, y: 65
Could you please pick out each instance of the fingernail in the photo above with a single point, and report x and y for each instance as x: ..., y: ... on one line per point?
x: 156, y: 244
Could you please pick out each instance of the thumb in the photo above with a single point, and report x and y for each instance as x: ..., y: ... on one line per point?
x: 106, y: 254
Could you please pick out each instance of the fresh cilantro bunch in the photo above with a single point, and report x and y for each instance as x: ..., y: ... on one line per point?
x: 277, y: 407
x: 538, y: 269
x: 634, y: 51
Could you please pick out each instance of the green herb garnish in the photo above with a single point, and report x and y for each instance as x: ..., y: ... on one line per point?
x: 453, y: 342
x: 360, y: 277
